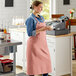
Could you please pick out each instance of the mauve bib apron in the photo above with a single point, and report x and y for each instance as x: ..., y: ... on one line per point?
x: 37, y: 53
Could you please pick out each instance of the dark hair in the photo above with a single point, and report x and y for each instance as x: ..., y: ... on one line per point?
x: 35, y: 3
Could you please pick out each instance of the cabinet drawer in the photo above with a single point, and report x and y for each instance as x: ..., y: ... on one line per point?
x: 50, y: 39
x: 51, y: 45
x: 20, y: 35
x: 52, y: 56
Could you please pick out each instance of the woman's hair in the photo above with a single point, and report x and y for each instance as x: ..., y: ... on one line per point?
x: 35, y: 3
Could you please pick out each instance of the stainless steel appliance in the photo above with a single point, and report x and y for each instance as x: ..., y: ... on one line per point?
x: 59, y: 26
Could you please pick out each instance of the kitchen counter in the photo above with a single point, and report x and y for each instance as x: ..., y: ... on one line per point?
x: 70, y: 34
x: 18, y: 29
x: 24, y: 30
x: 60, y: 48
x: 11, y: 43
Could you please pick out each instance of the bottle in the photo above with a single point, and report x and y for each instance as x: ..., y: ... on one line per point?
x: 1, y: 33
x: 16, y: 20
x: 5, y: 33
x: 22, y: 20
x: 8, y: 37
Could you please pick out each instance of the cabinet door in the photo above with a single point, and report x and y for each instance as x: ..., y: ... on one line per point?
x: 19, y: 56
x: 52, y: 55
x: 18, y: 36
x: 51, y: 47
x: 13, y: 34
x: 24, y: 52
x: 63, y: 55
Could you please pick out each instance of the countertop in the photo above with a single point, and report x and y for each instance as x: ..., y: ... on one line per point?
x: 70, y: 34
x: 24, y: 30
x: 18, y: 29
x: 11, y: 43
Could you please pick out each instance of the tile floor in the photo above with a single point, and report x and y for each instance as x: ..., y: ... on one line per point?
x: 19, y: 69
x: 74, y: 67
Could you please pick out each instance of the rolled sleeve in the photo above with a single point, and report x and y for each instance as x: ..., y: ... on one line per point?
x: 34, y: 33
x: 30, y: 29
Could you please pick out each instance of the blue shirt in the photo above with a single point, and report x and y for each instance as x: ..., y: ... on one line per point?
x: 31, y: 24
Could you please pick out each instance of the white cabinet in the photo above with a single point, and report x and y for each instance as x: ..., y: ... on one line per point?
x: 21, y: 49
x: 20, y: 35
x: 51, y: 46
x: 24, y: 51
x: 61, y: 54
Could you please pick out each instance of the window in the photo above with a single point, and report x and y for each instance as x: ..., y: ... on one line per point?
x: 46, y: 9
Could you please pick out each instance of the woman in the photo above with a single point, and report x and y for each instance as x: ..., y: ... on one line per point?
x: 38, y: 57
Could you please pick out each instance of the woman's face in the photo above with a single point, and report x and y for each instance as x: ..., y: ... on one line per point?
x: 38, y: 8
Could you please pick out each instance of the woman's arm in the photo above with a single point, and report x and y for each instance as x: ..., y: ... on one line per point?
x: 29, y: 25
x: 43, y: 29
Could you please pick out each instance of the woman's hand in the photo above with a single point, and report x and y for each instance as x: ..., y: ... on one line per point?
x: 49, y: 28
x: 44, y: 28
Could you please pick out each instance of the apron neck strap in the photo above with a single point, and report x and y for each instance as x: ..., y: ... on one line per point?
x: 37, y: 20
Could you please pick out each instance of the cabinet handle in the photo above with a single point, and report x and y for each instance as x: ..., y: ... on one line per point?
x: 54, y: 50
x: 54, y: 68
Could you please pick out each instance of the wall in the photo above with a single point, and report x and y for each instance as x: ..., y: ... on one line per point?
x: 6, y: 13
x: 64, y: 9
x: 20, y: 8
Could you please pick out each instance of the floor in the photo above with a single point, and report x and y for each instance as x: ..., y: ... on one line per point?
x: 19, y: 70
x: 74, y: 67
